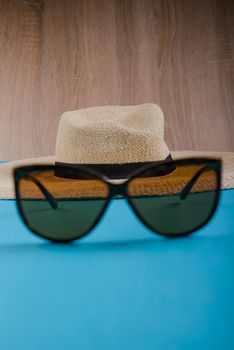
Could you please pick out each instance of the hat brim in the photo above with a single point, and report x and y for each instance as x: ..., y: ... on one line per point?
x: 7, y: 185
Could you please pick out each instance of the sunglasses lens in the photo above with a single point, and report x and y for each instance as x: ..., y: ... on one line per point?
x: 176, y: 199
x: 60, y: 208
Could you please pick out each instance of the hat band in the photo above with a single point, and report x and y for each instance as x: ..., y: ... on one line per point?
x: 113, y: 171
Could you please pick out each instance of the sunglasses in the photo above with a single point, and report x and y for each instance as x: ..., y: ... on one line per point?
x: 62, y: 204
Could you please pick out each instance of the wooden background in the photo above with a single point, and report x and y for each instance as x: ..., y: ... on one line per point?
x: 59, y: 55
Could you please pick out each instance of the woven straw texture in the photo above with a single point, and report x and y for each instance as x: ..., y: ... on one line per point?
x: 112, y: 134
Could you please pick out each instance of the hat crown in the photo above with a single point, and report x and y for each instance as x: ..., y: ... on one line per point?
x: 112, y: 134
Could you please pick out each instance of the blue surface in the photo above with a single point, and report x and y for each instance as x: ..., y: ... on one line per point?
x: 121, y: 287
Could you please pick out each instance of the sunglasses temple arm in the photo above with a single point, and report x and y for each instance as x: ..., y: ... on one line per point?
x: 187, y: 188
x: 46, y: 193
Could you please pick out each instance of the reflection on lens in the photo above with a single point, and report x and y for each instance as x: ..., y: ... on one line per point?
x: 61, y: 208
x: 176, y: 203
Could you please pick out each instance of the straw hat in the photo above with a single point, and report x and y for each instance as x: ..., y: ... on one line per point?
x: 113, y: 140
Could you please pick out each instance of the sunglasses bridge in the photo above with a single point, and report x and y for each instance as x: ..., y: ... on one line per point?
x: 117, y: 191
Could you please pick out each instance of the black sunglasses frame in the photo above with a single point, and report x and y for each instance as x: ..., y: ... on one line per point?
x: 118, y: 191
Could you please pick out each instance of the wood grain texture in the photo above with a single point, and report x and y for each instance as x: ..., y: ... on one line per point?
x: 59, y: 55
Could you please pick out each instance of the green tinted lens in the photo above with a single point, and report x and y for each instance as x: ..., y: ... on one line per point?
x: 61, y: 209
x: 178, y: 202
